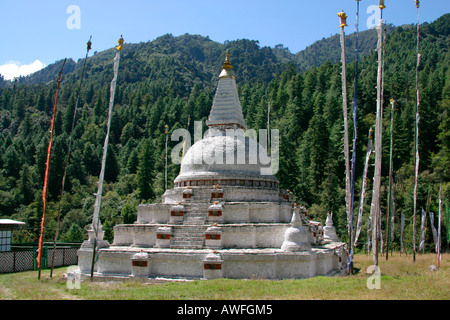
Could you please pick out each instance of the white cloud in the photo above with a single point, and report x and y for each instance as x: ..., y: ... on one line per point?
x: 14, y: 69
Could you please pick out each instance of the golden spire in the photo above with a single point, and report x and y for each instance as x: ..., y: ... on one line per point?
x: 227, y: 69
x: 120, y: 41
x: 343, y: 19
x: 227, y: 63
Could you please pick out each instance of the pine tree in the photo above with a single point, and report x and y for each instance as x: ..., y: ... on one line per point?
x: 26, y: 185
x: 12, y: 163
x: 145, y: 174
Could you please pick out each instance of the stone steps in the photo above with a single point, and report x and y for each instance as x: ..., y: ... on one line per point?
x: 195, y: 218
x: 188, y: 236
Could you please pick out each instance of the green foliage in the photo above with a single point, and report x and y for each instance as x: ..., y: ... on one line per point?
x: 173, y: 79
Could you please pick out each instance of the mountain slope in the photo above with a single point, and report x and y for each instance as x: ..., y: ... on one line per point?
x: 199, y: 57
x: 330, y: 48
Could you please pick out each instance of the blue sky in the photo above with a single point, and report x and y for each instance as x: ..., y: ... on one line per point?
x: 38, y: 33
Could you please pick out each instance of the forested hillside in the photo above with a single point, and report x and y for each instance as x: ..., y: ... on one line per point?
x: 330, y: 48
x: 171, y: 79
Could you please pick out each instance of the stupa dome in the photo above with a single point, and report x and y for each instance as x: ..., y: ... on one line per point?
x: 225, y: 157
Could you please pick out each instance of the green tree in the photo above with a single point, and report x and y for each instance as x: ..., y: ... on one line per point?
x: 74, y: 234
x: 145, y: 174
x: 26, y: 185
x: 12, y: 163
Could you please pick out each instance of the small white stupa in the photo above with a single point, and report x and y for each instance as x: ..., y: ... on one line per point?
x: 329, y: 230
x: 296, y: 238
x: 222, y: 218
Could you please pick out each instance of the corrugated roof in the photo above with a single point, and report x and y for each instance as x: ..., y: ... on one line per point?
x: 11, y: 222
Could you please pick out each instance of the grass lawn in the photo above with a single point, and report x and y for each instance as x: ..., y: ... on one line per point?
x: 400, y: 279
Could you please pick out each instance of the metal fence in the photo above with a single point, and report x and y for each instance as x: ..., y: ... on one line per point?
x: 24, y: 260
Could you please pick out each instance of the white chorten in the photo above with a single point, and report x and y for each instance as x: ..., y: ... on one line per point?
x: 225, y: 216
x: 296, y: 238
x: 329, y: 231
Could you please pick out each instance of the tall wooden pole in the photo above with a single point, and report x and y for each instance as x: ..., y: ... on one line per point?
x: 343, y: 18
x: 89, y: 43
x: 268, y: 124
x: 390, y: 195
x: 416, y: 137
x: 439, y: 229
x: 375, y: 206
x: 166, y: 128
x: 96, y: 225
x: 353, y: 160
x: 47, y: 168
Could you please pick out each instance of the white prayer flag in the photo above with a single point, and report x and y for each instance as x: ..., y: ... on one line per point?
x: 422, y: 231
x: 433, y: 229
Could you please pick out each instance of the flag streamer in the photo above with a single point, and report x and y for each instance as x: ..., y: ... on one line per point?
x: 343, y: 23
x: 392, y: 216
x: 416, y: 137
x: 439, y: 229
x: 390, y: 202
x: 369, y: 229
x: 353, y: 160
x: 47, y: 168
x: 166, y: 132
x: 380, y: 234
x: 447, y: 216
x: 363, y: 186
x: 422, y: 231
x: 433, y: 231
x: 375, y: 206
x: 96, y: 225
x: 89, y: 43
x: 402, y: 229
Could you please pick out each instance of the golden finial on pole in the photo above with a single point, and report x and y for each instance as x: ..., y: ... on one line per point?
x: 227, y: 63
x: 120, y: 41
x: 381, y: 4
x: 343, y: 17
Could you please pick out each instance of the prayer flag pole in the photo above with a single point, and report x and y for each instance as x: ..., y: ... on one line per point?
x: 166, y: 128
x: 375, y: 206
x: 416, y: 136
x: 343, y: 23
x: 363, y: 185
x: 439, y: 229
x: 353, y: 160
x: 390, y: 195
x: 47, y: 167
x: 89, y: 43
x: 96, y: 225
